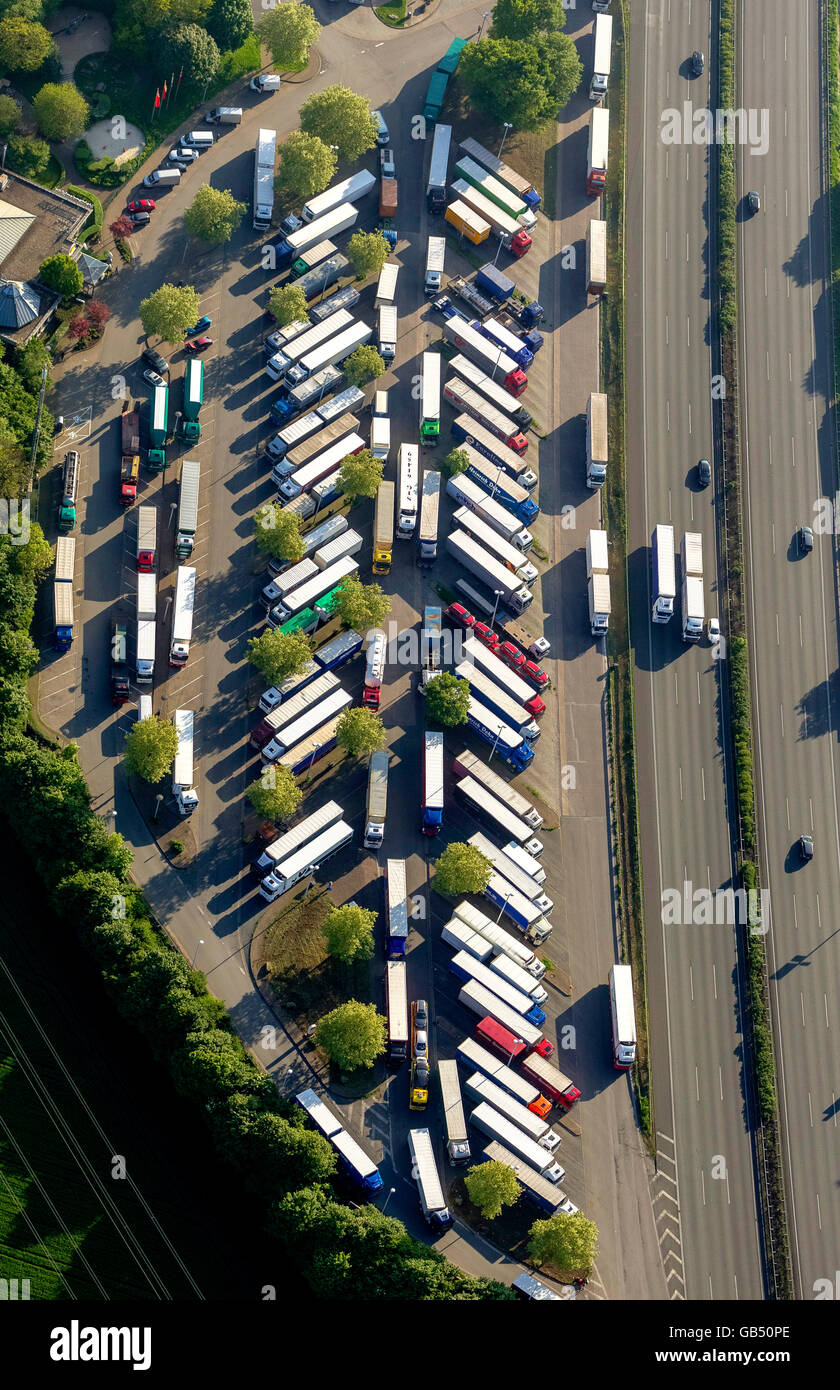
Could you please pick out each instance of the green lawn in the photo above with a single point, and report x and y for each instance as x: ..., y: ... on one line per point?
x: 392, y: 13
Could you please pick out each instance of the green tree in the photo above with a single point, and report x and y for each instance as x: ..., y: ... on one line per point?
x: 61, y: 110
x: 522, y: 19
x: 138, y: 25
x: 213, y: 215
x: 462, y: 869
x: 287, y: 305
x: 169, y: 312
x: 150, y: 747
x: 518, y: 81
x: 24, y: 47
x: 278, y: 655
x: 307, y: 165
x: 28, y: 156
x: 189, y: 47
x: 30, y: 361
x: 10, y: 115
x: 368, y: 252
x: 362, y: 606
x: 363, y: 365
x: 340, y: 117
x: 275, y: 794
x: 492, y: 1186
x: 360, y: 732
x: 33, y: 10
x: 353, y: 1035
x: 62, y: 274
x: 289, y: 31
x: 14, y: 464
x: 447, y: 700
x: 278, y: 533
x: 568, y: 1241
x: 230, y: 22
x: 360, y: 474
x: 33, y: 560
x: 349, y: 933
x: 456, y: 461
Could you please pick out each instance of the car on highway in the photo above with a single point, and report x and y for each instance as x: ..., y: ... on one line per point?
x: 155, y: 360
x: 457, y: 614
x: 753, y: 201
x: 806, y: 848
x: 486, y: 635
x: 141, y: 205
x: 698, y: 62
x: 511, y: 655
x: 805, y: 540
x: 203, y: 323
x: 140, y: 219
x: 198, y: 344
x: 704, y: 473
x: 153, y: 378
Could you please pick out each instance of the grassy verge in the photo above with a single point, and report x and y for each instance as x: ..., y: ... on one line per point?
x: 758, y: 1024
x: 832, y: 84
x: 392, y: 13
x: 307, y: 981
x: 620, y: 688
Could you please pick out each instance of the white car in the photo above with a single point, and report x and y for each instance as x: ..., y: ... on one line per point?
x: 714, y: 630
x: 153, y: 378
x: 181, y: 156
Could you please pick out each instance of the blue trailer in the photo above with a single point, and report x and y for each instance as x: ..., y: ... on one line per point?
x: 504, y: 490
x: 342, y: 299
x: 511, y: 747
x: 508, y: 341
x: 491, y: 279
x: 352, y: 1158
x: 340, y: 649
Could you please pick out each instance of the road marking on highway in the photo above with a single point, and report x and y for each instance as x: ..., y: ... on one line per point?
x: 714, y: 979
x: 793, y: 451
x: 765, y: 282
x: 778, y: 642
x: 689, y: 419
x: 773, y: 535
x: 703, y: 781
x: 687, y: 255
x: 668, y: 417
x: 802, y: 1007
x: 767, y: 365
x: 667, y: 330
x: 787, y: 811
x: 666, y: 246
x: 697, y: 1096
x: 819, y: 912
x: 688, y: 330
x: 810, y: 1110
x: 691, y: 982
x: 676, y: 690
x: 801, y: 637
x: 703, y: 1185
x: 698, y: 687
x: 720, y: 1085
x: 679, y: 770
x: 782, y: 719
x: 819, y: 1212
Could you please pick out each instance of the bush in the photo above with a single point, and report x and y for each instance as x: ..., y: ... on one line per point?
x: 176, y: 847
x: 28, y: 157
x: 94, y: 223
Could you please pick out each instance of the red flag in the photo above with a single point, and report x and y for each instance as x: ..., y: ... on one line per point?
x: 164, y: 89
x: 157, y: 99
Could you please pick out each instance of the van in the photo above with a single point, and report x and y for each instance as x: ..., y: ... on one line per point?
x: 69, y: 490
x: 198, y: 139
x: 379, y: 405
x: 224, y: 115
x: 162, y: 176
x: 383, y: 137
x: 144, y: 707
x: 266, y: 82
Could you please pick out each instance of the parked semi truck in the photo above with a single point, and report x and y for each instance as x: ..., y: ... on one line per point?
x: 498, y: 192
x: 146, y: 627
x: 598, y: 151
x: 158, y: 428
x: 498, y: 1126
x: 183, y: 773
x: 465, y: 490
x: 279, y: 364
x: 349, y: 190
x: 693, y: 603
x: 496, y: 457
x: 377, y: 799
x: 466, y: 764
x: 454, y: 1124
x: 319, y: 280
x: 430, y: 400
x: 305, y: 861
x: 601, y: 59
x: 467, y: 221
x: 466, y: 290
x: 342, y: 299
x: 190, y: 427
x: 506, y: 229
x: 663, y: 577
x: 305, y: 830
x: 502, y: 171
x: 305, y: 450
x: 427, y: 536
x: 336, y: 349
x: 489, y: 570
x: 431, y: 818
x: 338, y: 219
x: 487, y: 536
x: 120, y: 689
x: 487, y: 355
x: 623, y: 1011
x: 396, y: 900
x: 468, y: 401
x: 499, y: 940
x: 146, y: 539
x: 596, y: 257
x: 510, y: 746
x: 129, y: 457
x: 182, y: 616
x: 598, y: 582
x: 596, y: 439
x: 435, y: 257
x: 438, y: 169
x: 424, y: 1170
x: 187, y: 508
x: 65, y: 561
x: 383, y: 528
x: 551, y: 1081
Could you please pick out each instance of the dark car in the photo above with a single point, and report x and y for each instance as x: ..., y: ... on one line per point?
x: 753, y: 201
x: 805, y: 537
x: 155, y: 360
x: 704, y: 473
x: 697, y: 62
x: 140, y: 219
x: 806, y: 847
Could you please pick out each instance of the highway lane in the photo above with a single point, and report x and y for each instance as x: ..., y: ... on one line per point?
x: 790, y: 461
x: 707, y: 1212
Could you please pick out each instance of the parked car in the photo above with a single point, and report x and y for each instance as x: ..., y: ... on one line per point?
x: 535, y: 674
x: 198, y: 344
x: 141, y: 205
x: 153, y: 378
x: 387, y: 165
x: 140, y: 219
x: 511, y: 655
x: 458, y: 614
x: 486, y: 635
x: 155, y: 360
x: 202, y: 324
x: 183, y: 156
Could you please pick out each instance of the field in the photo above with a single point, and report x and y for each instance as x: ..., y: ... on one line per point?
x: 108, y: 1185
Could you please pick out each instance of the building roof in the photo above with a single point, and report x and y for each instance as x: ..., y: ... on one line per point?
x: 19, y: 305
x: 14, y: 222
x: 92, y: 269
x: 35, y: 223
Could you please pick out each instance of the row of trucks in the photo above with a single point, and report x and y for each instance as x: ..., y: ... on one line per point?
x: 297, y: 853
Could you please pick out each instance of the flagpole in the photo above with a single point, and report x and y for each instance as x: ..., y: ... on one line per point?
x: 156, y: 103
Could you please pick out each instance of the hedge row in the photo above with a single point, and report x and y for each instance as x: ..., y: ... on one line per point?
x: 727, y: 199
x: 739, y: 688
x: 93, y: 226
x: 341, y: 1253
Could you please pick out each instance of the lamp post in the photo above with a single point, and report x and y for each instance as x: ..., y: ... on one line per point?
x: 498, y: 593
x: 504, y: 905
x: 391, y: 1191
x: 484, y: 19
x: 158, y: 800
x: 510, y: 1058
x: 508, y: 129
x: 195, y: 952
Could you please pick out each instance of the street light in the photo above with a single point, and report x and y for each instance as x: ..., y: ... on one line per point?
x: 504, y: 905
x: 315, y: 868
x: 391, y: 1191
x: 315, y: 751
x: 510, y: 1058
x: 158, y: 800
x: 484, y: 19
x: 498, y: 593
x: 508, y: 129
x: 195, y: 953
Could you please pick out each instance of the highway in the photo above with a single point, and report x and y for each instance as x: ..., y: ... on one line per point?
x: 706, y: 1206
x: 789, y: 459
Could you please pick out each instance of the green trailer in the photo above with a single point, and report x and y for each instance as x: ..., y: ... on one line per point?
x: 449, y: 61
x: 158, y: 425
x: 190, y: 427
x: 435, y: 95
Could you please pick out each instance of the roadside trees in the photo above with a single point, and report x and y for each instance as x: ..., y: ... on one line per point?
x: 289, y: 31
x: 278, y: 533
x: 342, y: 118
x: 150, y: 748
x: 213, y: 215
x: 275, y: 794
x: 462, y: 869
x: 170, y: 312
x: 447, y: 700
x: 492, y: 1186
x: 360, y: 474
x: 349, y: 932
x: 360, y: 732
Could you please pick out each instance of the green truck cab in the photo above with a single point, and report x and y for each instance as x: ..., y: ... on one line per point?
x: 190, y: 426
x: 158, y: 424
